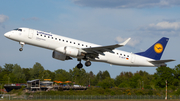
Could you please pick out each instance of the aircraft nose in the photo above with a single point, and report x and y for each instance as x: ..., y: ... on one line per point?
x: 7, y: 34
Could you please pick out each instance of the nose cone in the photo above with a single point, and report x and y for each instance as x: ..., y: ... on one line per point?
x: 7, y: 34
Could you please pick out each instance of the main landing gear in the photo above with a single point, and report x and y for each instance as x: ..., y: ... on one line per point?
x: 80, y: 65
x: 88, y: 63
x: 22, y: 44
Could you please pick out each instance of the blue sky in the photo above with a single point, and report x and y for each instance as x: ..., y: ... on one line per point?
x: 103, y: 22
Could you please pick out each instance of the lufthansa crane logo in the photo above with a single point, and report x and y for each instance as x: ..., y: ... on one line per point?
x: 158, y: 48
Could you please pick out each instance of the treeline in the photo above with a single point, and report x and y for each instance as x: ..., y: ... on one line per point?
x: 13, y: 73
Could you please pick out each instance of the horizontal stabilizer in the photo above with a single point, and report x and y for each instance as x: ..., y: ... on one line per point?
x: 161, y: 61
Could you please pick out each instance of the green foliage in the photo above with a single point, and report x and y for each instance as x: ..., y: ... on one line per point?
x: 8, y: 68
x: 127, y: 83
x: 113, y: 93
x: 134, y: 81
x: 37, y: 71
x: 1, y: 69
x: 79, y: 76
x: 123, y: 85
x: 163, y: 74
x: 177, y: 92
x: 17, y: 75
x: 62, y: 75
x: 26, y: 72
x: 106, y: 83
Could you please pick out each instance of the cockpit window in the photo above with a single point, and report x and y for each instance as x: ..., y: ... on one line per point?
x: 18, y: 29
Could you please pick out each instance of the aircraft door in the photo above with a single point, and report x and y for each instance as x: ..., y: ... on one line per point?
x: 30, y: 35
x: 133, y: 57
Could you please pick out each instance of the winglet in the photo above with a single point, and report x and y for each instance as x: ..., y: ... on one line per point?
x: 125, y: 42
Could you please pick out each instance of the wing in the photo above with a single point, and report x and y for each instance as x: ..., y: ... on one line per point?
x: 101, y: 49
x: 161, y: 61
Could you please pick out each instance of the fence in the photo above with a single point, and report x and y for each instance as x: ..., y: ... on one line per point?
x: 83, y: 97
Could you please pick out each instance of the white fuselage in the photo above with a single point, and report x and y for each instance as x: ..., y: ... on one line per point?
x: 52, y: 42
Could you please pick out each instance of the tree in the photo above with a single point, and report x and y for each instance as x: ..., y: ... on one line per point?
x: 36, y: 71
x: 134, y: 80
x: 106, y: 83
x: 91, y: 74
x: 47, y: 74
x: 8, y: 68
x: 163, y: 74
x: 79, y: 76
x: 1, y: 69
x: 123, y: 80
x: 17, y: 75
x: 177, y: 72
x: 26, y: 72
x: 99, y: 76
x: 61, y: 75
x: 105, y: 75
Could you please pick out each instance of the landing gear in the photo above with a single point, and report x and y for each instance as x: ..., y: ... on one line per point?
x: 22, y: 44
x: 20, y: 49
x: 80, y: 65
x: 88, y: 63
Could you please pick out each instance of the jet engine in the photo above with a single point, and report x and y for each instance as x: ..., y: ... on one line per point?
x: 60, y: 56
x: 69, y: 51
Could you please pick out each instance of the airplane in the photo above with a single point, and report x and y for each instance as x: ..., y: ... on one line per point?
x: 65, y: 48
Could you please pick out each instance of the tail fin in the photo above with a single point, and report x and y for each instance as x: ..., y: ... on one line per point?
x: 155, y: 51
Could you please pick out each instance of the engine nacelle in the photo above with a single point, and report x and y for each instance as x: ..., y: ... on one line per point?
x: 60, y: 56
x: 70, y: 51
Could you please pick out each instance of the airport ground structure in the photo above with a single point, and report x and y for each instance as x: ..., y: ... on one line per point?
x: 37, y: 85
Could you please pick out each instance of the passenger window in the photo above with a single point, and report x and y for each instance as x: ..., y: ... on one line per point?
x: 66, y: 41
x: 63, y: 40
x: 44, y: 35
x: 55, y: 38
x: 48, y: 36
x: 74, y: 43
x: 59, y: 39
x: 127, y: 55
x: 52, y: 37
x: 41, y: 34
x: 70, y: 42
x: 78, y: 43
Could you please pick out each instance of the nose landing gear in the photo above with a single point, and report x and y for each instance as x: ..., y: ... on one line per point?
x: 20, y: 49
x: 22, y: 44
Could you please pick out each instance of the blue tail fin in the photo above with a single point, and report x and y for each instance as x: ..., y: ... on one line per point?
x: 155, y: 51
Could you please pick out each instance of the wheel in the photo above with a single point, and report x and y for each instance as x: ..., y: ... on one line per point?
x: 20, y: 49
x: 80, y: 65
x: 88, y: 63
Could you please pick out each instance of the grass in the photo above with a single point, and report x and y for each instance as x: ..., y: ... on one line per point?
x: 105, y: 100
